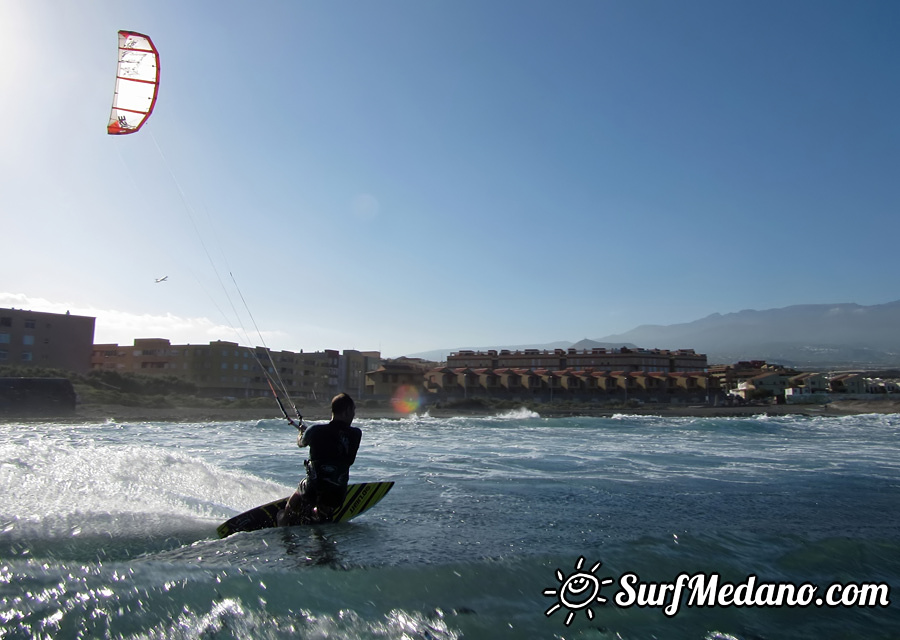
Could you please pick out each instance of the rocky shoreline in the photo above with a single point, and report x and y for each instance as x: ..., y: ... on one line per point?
x: 118, y: 413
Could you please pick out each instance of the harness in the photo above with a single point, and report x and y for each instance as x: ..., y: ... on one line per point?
x: 327, y: 481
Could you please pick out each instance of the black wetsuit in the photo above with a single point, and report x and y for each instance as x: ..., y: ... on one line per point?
x: 332, y: 449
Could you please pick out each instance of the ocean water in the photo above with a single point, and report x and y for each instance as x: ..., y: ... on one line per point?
x: 107, y: 530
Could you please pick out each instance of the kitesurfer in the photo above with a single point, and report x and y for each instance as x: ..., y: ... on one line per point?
x: 332, y: 450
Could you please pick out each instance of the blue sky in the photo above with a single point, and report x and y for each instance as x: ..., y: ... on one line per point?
x: 408, y: 175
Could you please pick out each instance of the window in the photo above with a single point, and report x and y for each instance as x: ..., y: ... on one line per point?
x: 5, y: 321
x: 27, y: 340
x: 4, y: 338
x: 29, y: 324
x: 26, y: 356
x: 4, y: 355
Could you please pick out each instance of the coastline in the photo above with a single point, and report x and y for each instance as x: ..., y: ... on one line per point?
x: 119, y: 413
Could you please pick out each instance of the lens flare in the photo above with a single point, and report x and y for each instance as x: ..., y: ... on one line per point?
x: 406, y: 399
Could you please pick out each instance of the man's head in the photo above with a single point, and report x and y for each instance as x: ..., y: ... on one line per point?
x: 343, y: 408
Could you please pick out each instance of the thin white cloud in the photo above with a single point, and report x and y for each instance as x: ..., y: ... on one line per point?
x: 122, y: 327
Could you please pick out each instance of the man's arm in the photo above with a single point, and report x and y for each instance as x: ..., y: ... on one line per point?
x: 356, y: 437
x: 301, y: 437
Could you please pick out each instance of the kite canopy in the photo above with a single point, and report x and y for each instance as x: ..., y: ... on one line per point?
x: 137, y: 81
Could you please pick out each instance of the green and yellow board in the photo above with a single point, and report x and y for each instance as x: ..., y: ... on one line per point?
x: 360, y: 498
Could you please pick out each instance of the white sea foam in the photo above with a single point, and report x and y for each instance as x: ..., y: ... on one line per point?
x: 521, y: 413
x: 58, y: 488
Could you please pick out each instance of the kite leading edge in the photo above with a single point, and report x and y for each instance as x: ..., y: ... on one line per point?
x: 137, y: 82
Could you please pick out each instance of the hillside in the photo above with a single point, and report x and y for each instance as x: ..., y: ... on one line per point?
x: 801, y: 335
x: 833, y: 336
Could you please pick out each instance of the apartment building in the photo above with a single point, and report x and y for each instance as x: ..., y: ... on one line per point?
x: 809, y: 383
x: 227, y: 369
x: 390, y: 376
x: 768, y: 383
x: 569, y: 384
x: 52, y: 340
x: 730, y: 377
x: 848, y: 383
x: 353, y: 368
x: 590, y: 374
x: 598, y: 359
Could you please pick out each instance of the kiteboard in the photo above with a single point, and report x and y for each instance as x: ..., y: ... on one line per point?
x: 360, y: 498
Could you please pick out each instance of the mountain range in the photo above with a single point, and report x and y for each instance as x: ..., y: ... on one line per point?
x: 813, y: 336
